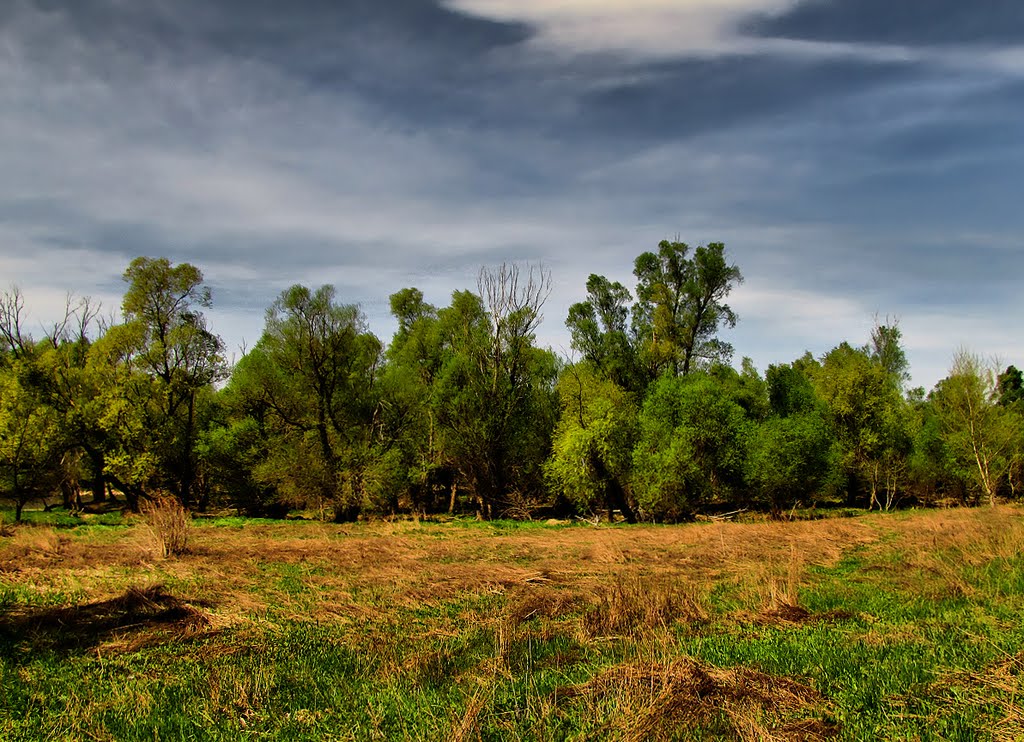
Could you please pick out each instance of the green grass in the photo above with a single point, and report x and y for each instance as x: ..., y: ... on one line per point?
x: 895, y: 640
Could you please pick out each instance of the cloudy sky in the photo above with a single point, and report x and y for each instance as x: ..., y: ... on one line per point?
x: 857, y: 157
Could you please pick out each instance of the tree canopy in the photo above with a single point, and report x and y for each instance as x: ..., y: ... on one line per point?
x: 463, y: 412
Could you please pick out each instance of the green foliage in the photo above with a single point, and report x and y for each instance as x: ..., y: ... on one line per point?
x: 309, y: 387
x: 982, y: 437
x: 692, y: 446
x: 169, y: 357
x: 463, y: 410
x: 790, y: 390
x: 869, y: 419
x: 30, y: 450
x: 788, y: 460
x: 493, y: 396
x: 600, y: 331
x: 591, y: 459
x: 680, y: 305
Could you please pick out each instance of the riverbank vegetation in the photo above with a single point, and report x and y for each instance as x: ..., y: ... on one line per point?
x: 462, y: 412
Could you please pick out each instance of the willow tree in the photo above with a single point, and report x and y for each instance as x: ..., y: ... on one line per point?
x: 170, y: 359
x: 681, y: 305
x: 311, y: 380
x: 494, y: 395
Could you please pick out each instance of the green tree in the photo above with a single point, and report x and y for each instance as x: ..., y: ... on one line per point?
x: 868, y: 417
x: 30, y: 444
x: 789, y: 457
x: 790, y: 391
x: 681, y: 305
x: 886, y: 350
x: 310, y: 382
x: 170, y: 358
x: 981, y: 436
x: 73, y: 381
x: 591, y: 459
x: 494, y: 396
x: 1011, y: 387
x: 692, y: 446
x: 791, y: 450
x: 599, y: 328
x: 415, y: 359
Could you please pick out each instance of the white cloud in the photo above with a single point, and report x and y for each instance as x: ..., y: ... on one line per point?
x: 649, y: 30
x: 644, y: 28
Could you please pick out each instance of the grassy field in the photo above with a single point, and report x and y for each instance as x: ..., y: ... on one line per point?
x: 903, y: 626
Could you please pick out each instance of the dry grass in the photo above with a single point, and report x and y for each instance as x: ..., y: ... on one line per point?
x: 1003, y: 680
x: 636, y: 604
x: 170, y: 525
x: 138, y: 617
x: 425, y: 601
x: 623, y: 581
x: 657, y: 700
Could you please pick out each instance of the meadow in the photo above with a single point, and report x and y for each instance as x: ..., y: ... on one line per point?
x: 898, y: 626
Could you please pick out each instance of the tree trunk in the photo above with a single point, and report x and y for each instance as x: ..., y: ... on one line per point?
x: 98, y: 485
x: 454, y: 497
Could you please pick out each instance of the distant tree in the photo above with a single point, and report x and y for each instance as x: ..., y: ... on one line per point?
x: 600, y: 331
x: 789, y: 457
x: 414, y: 362
x: 681, y: 305
x: 982, y: 437
x: 494, y: 395
x: 72, y: 380
x: 1011, y: 387
x: 591, y: 459
x: 169, y: 359
x: 691, y: 449
x: 746, y: 387
x: 868, y: 417
x: 30, y: 446
x: 791, y: 450
x: 886, y: 350
x: 790, y: 391
x: 310, y: 383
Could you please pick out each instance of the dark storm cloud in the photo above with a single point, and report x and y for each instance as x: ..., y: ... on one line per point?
x: 911, y: 22
x: 376, y: 145
x: 696, y: 96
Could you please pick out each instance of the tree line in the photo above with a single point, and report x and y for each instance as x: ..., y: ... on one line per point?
x: 463, y: 412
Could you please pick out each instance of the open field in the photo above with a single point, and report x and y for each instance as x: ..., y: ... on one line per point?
x: 903, y: 626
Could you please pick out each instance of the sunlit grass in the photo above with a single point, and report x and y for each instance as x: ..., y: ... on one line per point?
x: 878, y: 627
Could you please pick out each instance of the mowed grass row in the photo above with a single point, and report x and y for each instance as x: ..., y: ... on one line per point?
x: 904, y: 626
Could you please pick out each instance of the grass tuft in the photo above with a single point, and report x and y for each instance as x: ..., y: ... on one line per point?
x: 170, y: 525
x: 636, y: 604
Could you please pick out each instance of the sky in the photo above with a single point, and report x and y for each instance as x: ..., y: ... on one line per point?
x: 860, y: 159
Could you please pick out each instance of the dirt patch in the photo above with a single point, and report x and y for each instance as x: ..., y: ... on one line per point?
x: 657, y: 701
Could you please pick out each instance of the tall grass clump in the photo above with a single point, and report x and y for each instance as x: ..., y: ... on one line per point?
x: 170, y: 525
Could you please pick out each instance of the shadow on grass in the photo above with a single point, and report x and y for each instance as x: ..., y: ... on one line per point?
x: 138, y: 618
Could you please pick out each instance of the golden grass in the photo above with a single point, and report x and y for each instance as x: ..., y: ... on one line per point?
x: 658, y: 699
x: 169, y: 526
x: 1002, y: 681
x: 623, y: 576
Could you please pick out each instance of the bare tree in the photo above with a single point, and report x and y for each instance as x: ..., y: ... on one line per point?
x: 12, y: 320
x: 513, y: 302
